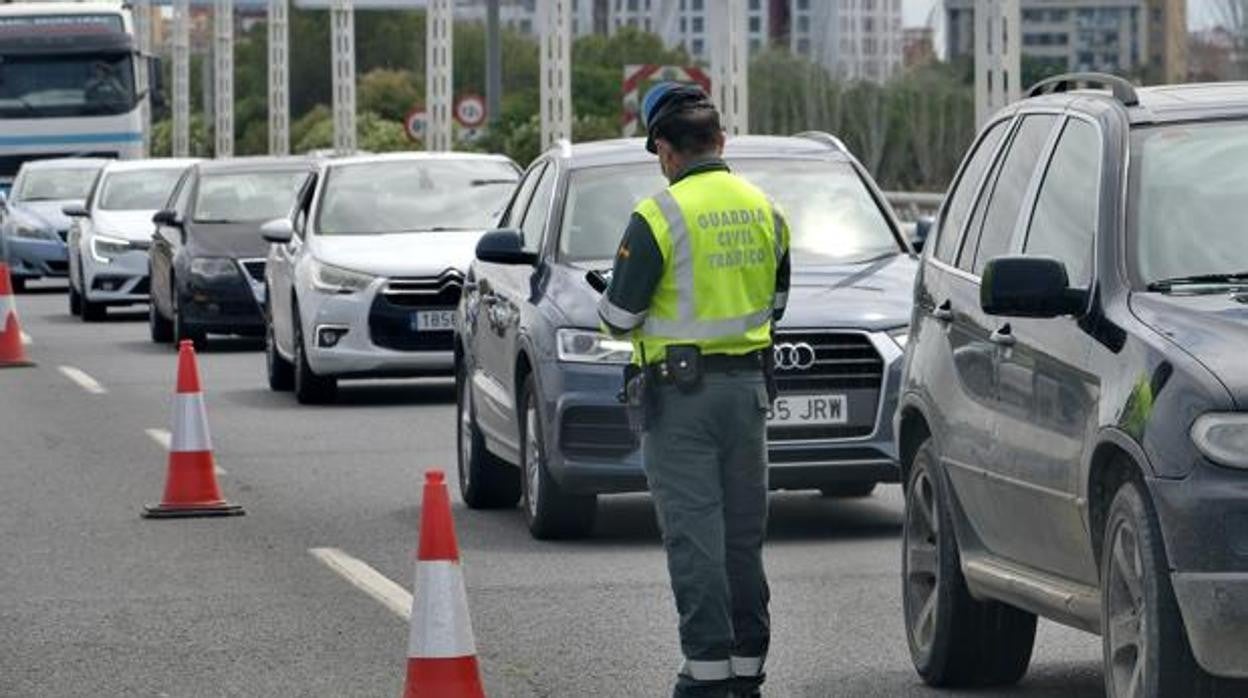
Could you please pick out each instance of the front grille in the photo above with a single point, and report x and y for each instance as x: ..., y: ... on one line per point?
x: 845, y: 363
x: 596, y: 432
x: 390, y: 318
x: 254, y: 268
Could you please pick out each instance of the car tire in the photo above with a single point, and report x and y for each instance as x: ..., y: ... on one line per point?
x: 75, y: 301
x: 18, y: 283
x: 954, y: 640
x: 485, y: 480
x: 280, y: 371
x: 550, y: 512
x: 1144, y: 638
x: 160, y: 329
x: 181, y: 332
x: 848, y: 490
x: 88, y: 311
x: 310, y: 389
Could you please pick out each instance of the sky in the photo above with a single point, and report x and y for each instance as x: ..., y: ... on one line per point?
x: 916, y: 12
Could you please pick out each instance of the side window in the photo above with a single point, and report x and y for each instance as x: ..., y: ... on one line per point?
x: 534, y: 225
x: 1006, y: 200
x: 181, y: 199
x: 300, y: 221
x: 519, y: 204
x: 963, y: 194
x: 1064, y: 222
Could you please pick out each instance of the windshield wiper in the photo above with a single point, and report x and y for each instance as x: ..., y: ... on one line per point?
x: 446, y: 229
x: 483, y: 182
x: 1223, y: 278
x: 215, y: 221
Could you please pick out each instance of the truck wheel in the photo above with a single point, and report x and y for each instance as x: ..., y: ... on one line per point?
x: 550, y: 512
x: 485, y: 480
x: 954, y: 640
x: 1146, y: 650
x: 848, y: 490
x: 310, y: 389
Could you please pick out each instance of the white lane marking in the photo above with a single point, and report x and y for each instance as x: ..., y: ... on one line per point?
x: 367, y: 580
x: 84, y: 381
x: 26, y: 339
x: 165, y: 439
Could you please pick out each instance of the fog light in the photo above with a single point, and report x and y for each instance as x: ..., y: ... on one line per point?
x: 328, y: 337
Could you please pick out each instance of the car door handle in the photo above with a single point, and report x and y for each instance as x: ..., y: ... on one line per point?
x: 943, y: 312
x: 1003, y: 337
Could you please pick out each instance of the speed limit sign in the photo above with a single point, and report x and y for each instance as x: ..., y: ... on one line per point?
x: 470, y: 111
x: 414, y: 124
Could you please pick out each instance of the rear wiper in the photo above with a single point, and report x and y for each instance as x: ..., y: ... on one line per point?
x: 1223, y: 278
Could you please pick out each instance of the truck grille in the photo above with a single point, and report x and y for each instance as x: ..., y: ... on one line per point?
x: 835, y: 363
x: 390, y: 319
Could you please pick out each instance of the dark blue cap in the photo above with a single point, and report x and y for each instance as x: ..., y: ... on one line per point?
x: 665, y: 99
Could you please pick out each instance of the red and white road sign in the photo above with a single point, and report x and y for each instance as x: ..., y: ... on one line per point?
x: 414, y: 124
x: 470, y: 111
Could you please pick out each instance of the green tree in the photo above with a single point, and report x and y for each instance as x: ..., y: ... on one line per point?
x: 390, y: 94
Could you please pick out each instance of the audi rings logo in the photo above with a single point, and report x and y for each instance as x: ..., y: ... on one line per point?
x: 795, y: 357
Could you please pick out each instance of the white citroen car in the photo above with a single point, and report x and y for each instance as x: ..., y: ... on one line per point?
x: 111, y: 234
x: 364, y: 280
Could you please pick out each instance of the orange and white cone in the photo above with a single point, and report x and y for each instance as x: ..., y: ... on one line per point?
x: 442, y: 656
x: 191, y: 485
x: 12, y: 352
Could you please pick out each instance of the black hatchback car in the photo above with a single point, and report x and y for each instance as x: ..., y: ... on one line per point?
x: 1073, y: 424
x: 207, y: 257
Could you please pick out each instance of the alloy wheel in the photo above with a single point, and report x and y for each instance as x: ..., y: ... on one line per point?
x: 532, y: 461
x: 465, y: 435
x: 1127, y: 631
x: 921, y: 563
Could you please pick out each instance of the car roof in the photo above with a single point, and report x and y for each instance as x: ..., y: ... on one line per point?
x: 149, y: 164
x: 411, y: 156
x: 65, y: 163
x: 262, y: 163
x: 625, y: 151
x: 1160, y: 103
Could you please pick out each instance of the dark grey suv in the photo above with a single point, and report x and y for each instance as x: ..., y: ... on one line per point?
x: 1073, y: 424
x: 538, y: 382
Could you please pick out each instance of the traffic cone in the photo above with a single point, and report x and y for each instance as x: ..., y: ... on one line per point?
x: 191, y: 485
x: 12, y: 352
x: 442, y: 656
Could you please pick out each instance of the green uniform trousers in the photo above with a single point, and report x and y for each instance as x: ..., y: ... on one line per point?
x: 706, y: 463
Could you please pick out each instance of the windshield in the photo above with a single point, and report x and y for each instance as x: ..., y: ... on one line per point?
x: 411, y: 195
x: 832, y: 217
x: 138, y: 190
x: 72, y: 85
x: 1189, y: 201
x: 247, y: 196
x: 57, y: 184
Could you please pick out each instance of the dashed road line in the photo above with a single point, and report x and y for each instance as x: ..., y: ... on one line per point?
x: 367, y: 580
x: 83, y: 380
x: 165, y: 439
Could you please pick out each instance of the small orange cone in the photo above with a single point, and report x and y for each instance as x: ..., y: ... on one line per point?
x: 442, y: 656
x: 191, y: 486
x: 12, y: 353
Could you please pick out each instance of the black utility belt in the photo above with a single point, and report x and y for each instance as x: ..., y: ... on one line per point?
x: 680, y: 362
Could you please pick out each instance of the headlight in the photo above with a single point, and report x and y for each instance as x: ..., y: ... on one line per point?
x: 331, y: 279
x: 1223, y: 438
x: 34, y: 231
x: 105, y: 248
x: 213, y: 267
x: 900, y: 335
x: 589, y: 347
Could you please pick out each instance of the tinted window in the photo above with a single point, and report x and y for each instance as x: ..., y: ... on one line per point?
x: 1010, y: 188
x: 1064, y: 221
x: 247, y: 196
x: 520, y: 203
x: 963, y: 194
x: 534, y: 224
x: 60, y: 184
x: 832, y: 217
x: 403, y: 196
x: 138, y: 190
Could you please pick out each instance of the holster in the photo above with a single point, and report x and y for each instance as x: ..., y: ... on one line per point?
x: 639, y: 398
x: 683, y: 366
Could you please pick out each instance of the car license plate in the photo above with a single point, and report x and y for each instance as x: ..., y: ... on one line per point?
x: 801, y: 410
x: 433, y: 321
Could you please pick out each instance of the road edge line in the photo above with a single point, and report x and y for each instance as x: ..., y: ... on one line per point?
x: 368, y: 580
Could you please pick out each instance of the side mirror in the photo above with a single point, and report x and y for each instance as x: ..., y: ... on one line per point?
x: 1029, y: 287
x: 922, y: 228
x: 278, y: 231
x: 75, y: 210
x: 504, y: 247
x: 167, y: 217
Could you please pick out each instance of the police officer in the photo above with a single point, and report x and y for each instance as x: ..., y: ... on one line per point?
x: 699, y: 277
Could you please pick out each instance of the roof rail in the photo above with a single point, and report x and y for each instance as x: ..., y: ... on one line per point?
x: 565, y: 147
x: 825, y: 138
x: 1121, y: 88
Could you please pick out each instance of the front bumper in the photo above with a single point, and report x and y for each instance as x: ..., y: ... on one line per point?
x: 366, y: 318
x: 31, y: 258
x: 222, y: 305
x: 1204, y: 522
x: 120, y: 281
x: 593, y: 450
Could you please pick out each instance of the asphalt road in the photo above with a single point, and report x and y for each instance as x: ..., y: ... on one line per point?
x: 95, y: 601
